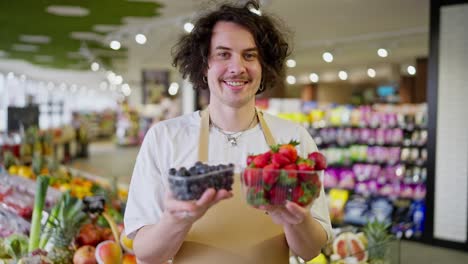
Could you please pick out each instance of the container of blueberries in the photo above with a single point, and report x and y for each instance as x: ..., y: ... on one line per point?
x: 190, y: 183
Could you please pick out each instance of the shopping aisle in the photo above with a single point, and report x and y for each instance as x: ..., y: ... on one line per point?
x: 106, y: 159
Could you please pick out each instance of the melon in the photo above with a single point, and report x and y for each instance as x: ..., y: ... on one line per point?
x: 348, y: 244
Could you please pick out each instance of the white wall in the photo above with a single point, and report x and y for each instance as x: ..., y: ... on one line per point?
x: 450, y: 212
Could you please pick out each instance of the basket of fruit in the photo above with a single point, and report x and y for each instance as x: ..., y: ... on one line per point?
x: 190, y: 184
x: 280, y: 175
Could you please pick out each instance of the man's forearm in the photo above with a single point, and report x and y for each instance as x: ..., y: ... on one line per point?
x: 160, y: 242
x: 307, y: 238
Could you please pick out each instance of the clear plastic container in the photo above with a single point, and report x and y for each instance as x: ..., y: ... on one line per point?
x: 276, y: 186
x: 192, y: 187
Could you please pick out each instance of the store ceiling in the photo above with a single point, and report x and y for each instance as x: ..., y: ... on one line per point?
x: 352, y: 29
x: 65, y: 34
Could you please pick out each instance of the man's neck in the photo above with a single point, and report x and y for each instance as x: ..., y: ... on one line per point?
x: 233, y: 119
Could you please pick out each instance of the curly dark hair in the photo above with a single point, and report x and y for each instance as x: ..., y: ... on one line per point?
x: 191, y: 53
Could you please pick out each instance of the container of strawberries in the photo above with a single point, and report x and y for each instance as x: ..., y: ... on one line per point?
x: 281, y: 175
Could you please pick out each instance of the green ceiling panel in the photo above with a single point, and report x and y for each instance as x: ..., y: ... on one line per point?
x: 29, y: 17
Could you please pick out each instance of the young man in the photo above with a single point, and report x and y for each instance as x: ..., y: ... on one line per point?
x: 236, y: 54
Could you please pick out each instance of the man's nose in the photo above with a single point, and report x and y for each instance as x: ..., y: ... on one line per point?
x: 237, y: 65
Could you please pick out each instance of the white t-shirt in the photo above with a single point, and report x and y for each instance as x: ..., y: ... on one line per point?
x: 174, y: 143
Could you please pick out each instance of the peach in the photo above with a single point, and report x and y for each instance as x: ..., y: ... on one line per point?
x: 129, y: 259
x: 108, y: 252
x: 85, y: 255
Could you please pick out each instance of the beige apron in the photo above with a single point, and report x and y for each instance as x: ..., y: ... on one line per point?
x: 232, y: 231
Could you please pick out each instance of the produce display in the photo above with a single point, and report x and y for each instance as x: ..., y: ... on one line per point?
x: 190, y: 184
x: 278, y: 175
x: 83, y: 223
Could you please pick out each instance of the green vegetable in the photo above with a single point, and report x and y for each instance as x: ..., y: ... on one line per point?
x: 16, y: 246
x: 42, y: 183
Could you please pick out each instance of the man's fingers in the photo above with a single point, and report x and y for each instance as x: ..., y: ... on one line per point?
x: 206, y: 197
x: 222, y: 194
x: 175, y: 205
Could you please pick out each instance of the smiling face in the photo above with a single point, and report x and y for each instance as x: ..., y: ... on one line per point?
x: 234, y: 71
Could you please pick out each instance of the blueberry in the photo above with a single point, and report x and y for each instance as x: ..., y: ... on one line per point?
x: 172, y: 172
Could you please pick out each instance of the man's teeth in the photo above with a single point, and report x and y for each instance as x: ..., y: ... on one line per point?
x: 235, y: 83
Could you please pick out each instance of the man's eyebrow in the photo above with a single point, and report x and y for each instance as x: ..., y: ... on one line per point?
x: 226, y: 48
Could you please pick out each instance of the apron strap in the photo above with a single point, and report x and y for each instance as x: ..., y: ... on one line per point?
x: 204, y: 136
x: 266, y: 130
x: 205, y: 133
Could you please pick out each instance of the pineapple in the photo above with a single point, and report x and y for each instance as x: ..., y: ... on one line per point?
x: 65, y: 221
x: 378, y: 240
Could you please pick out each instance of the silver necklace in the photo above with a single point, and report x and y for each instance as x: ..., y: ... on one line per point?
x: 233, y: 137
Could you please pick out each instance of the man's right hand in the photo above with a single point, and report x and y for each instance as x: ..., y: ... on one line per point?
x: 191, y: 211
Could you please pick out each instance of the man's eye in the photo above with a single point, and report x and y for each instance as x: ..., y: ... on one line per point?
x: 250, y: 56
x: 223, y: 54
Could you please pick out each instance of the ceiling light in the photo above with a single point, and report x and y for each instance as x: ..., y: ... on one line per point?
x: 126, y: 89
x: 291, y: 63
x: 73, y: 11
x: 36, y: 39
x: 103, y: 86
x: 291, y: 79
x: 115, y: 45
x: 188, y: 27
x: 140, y: 39
x: 411, y: 70
x: 95, y: 66
x: 173, y: 88
x: 327, y: 56
x: 25, y: 47
x: 371, y: 72
x: 73, y: 88
x: 105, y: 28
x: 255, y: 11
x: 382, y: 53
x: 343, y: 75
x: 63, y: 86
x: 44, y: 58
x: 313, y: 77
x: 23, y: 77
x: 10, y: 76
x: 118, y: 79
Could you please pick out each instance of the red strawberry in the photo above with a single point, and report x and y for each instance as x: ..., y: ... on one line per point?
x: 252, y: 177
x: 288, y: 178
x: 262, y: 160
x: 301, y: 197
x: 280, y: 159
x: 250, y: 159
x: 306, y: 166
x: 319, y: 160
x: 270, y: 175
x: 289, y: 150
x: 277, y: 195
x: 256, y: 196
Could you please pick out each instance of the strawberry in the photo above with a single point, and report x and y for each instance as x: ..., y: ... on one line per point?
x: 289, y: 150
x: 280, y: 159
x: 306, y: 166
x: 270, y: 175
x: 252, y: 177
x: 300, y: 196
x: 256, y: 196
x: 250, y: 159
x: 288, y: 178
x: 319, y: 160
x: 262, y: 160
x: 277, y: 195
